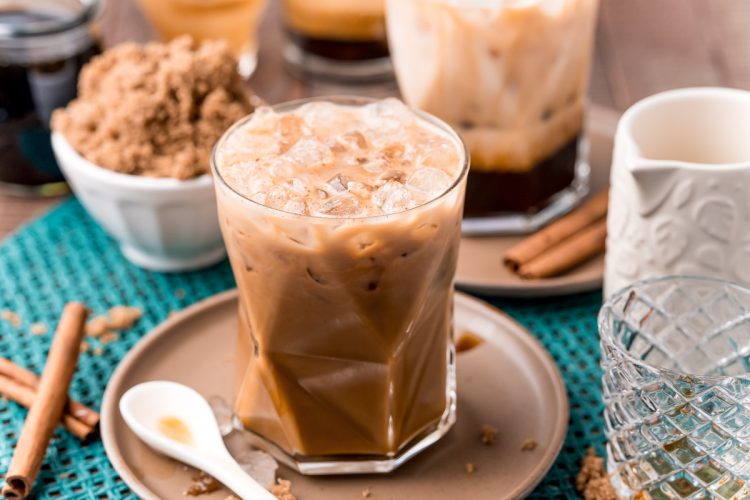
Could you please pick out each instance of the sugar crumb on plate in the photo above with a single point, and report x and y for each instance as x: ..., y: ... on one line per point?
x: 201, y: 484
x: 529, y: 445
x: 488, y: 435
x: 470, y: 468
x: 283, y: 489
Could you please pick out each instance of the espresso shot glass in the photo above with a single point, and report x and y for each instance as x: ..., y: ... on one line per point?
x: 337, y: 40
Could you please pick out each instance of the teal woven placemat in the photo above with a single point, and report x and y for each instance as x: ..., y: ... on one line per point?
x: 65, y: 256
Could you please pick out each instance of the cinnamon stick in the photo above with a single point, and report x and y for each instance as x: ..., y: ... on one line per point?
x: 543, y: 240
x: 49, y: 403
x: 24, y: 396
x: 27, y: 378
x: 567, y: 254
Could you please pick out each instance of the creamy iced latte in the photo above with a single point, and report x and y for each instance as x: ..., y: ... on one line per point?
x: 511, y: 76
x: 342, y: 224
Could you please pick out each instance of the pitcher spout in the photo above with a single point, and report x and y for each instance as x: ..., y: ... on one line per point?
x: 654, y: 182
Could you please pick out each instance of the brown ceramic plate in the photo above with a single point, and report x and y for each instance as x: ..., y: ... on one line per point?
x: 509, y: 381
x: 479, y: 262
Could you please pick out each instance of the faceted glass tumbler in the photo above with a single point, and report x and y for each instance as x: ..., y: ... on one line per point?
x: 345, y: 362
x: 676, y: 388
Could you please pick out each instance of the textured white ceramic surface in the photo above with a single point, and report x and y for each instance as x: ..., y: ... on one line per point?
x: 161, y: 224
x: 680, y: 188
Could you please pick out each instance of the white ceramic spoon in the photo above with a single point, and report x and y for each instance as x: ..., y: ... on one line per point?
x: 150, y: 407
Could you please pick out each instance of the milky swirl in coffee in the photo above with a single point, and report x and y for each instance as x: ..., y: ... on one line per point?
x: 510, y: 75
x: 342, y: 224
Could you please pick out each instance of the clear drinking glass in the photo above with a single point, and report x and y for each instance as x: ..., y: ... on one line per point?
x: 345, y: 355
x: 235, y: 21
x: 676, y: 362
x: 340, y: 40
x: 511, y: 77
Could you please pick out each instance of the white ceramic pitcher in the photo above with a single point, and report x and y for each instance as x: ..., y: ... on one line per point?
x: 680, y: 188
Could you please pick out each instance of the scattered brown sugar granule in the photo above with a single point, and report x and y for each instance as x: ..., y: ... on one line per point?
x: 283, y: 489
x: 96, y: 326
x: 109, y: 337
x: 599, y: 489
x: 528, y: 445
x: 11, y: 317
x: 98, y: 351
x: 84, y: 346
x: 38, y: 329
x: 123, y: 317
x: 592, y: 480
x: 366, y: 493
x: 488, y: 435
x: 202, y: 484
x: 155, y: 109
x: 470, y: 468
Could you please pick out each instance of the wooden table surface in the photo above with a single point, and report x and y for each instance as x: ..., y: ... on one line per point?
x: 642, y: 47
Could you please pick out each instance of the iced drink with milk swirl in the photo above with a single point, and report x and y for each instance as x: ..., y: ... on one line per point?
x: 342, y: 224
x: 511, y: 77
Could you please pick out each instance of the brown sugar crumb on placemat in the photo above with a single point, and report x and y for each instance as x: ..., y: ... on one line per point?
x: 470, y: 468
x: 123, y: 317
x: 38, y: 329
x: 202, y: 484
x: 11, y: 317
x: 283, y: 489
x: 488, y: 435
x: 117, y: 318
x: 366, y: 493
x: 96, y: 326
x: 109, y: 337
x: 155, y: 109
x: 592, y: 481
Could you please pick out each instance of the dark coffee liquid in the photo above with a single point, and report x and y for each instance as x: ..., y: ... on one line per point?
x: 341, y: 50
x: 493, y: 193
x: 29, y: 92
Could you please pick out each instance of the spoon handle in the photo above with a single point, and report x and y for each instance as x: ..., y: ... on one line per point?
x: 234, y: 477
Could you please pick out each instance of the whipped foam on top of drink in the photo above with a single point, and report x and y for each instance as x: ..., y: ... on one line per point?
x: 335, y: 160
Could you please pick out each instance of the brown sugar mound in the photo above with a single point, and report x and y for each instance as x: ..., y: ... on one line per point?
x: 157, y: 109
x: 592, y: 480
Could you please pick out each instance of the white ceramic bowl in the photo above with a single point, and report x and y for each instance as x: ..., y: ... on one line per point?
x: 163, y: 225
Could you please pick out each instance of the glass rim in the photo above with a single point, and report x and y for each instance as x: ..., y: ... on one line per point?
x: 606, y: 335
x: 87, y: 10
x: 353, y: 101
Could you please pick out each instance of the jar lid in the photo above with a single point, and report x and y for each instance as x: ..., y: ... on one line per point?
x: 33, y: 18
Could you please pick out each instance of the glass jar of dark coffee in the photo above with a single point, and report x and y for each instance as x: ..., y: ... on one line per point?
x: 43, y: 45
x: 340, y: 40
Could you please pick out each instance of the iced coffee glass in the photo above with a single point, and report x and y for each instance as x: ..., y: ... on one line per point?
x: 342, y: 219
x: 343, y: 40
x: 511, y: 76
x: 235, y: 21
